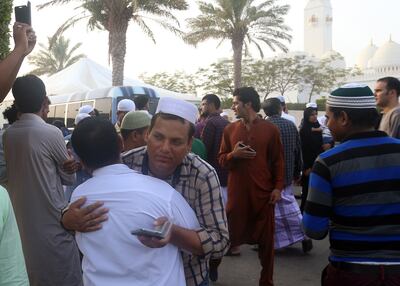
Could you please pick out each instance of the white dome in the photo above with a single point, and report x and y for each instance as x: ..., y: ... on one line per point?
x: 365, y: 56
x: 338, y: 61
x: 387, y: 56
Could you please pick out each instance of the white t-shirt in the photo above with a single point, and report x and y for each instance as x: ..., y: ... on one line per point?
x: 112, y: 255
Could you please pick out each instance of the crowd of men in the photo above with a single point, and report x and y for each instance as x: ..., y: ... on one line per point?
x: 131, y: 179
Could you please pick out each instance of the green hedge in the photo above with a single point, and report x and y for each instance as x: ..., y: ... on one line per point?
x: 5, y: 19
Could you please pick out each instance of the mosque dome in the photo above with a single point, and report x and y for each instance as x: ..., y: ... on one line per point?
x: 363, y: 59
x: 387, y: 57
x: 338, y: 61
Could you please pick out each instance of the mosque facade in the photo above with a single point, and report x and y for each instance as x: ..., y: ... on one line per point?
x: 374, y: 62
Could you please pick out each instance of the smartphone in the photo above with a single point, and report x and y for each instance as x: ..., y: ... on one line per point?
x: 248, y: 148
x: 23, y: 14
x: 159, y: 232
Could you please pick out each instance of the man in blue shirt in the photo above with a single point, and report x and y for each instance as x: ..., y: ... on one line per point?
x: 354, y: 194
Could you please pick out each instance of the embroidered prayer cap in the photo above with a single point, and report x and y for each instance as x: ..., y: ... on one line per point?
x: 135, y: 120
x: 86, y: 109
x: 80, y: 116
x: 352, y: 95
x: 311, y: 105
x: 178, y: 107
x: 126, y: 105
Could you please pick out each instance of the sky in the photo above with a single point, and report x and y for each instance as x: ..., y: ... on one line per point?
x: 355, y: 23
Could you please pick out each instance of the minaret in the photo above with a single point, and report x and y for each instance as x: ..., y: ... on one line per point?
x: 318, y: 27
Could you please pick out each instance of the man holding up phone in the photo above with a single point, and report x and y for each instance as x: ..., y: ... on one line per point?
x: 25, y: 40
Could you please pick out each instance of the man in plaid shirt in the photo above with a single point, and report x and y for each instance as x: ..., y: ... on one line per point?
x: 288, y: 229
x: 166, y: 157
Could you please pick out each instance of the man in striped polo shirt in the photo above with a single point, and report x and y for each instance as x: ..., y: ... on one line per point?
x: 354, y: 194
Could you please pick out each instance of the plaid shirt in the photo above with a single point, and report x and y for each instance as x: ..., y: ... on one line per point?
x: 212, y: 137
x: 291, y: 147
x: 197, y: 182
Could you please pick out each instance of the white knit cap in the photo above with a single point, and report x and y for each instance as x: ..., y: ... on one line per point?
x: 86, y: 109
x: 312, y: 105
x: 126, y: 105
x: 178, y: 107
x: 352, y: 95
x: 80, y: 116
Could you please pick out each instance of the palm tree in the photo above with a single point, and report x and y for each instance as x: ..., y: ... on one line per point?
x: 242, y: 23
x: 114, y: 16
x: 54, y: 57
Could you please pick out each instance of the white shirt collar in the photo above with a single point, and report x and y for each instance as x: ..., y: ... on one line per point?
x: 115, y: 169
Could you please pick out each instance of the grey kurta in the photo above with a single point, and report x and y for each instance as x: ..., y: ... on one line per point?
x: 34, y: 153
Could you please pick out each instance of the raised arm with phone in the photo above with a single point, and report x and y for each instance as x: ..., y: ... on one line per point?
x: 25, y: 40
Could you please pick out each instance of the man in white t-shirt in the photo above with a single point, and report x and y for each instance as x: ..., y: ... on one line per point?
x: 112, y: 255
x: 285, y: 113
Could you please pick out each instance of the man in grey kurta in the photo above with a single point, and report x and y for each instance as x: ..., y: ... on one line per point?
x: 34, y: 153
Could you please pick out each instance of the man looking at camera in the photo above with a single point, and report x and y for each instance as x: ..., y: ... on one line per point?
x: 113, y: 256
x: 167, y: 157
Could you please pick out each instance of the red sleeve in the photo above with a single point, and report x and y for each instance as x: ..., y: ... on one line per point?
x: 225, y: 158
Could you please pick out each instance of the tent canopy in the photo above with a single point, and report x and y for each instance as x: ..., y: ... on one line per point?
x: 86, y: 75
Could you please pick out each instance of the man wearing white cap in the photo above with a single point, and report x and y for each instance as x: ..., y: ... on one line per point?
x: 86, y: 109
x: 285, y: 113
x: 167, y: 157
x: 124, y: 106
x: 354, y: 194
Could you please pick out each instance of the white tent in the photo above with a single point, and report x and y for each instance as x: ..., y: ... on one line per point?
x: 87, y: 75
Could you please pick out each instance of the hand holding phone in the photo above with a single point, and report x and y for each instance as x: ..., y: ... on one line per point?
x: 247, y: 147
x: 159, y: 232
x: 23, y: 14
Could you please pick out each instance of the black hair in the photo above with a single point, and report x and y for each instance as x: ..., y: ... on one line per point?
x: 364, y: 118
x: 212, y: 98
x: 248, y: 94
x: 392, y: 83
x: 11, y: 114
x: 141, y: 101
x: 272, y: 106
x: 126, y: 132
x: 29, y: 92
x: 96, y: 142
x: 168, y: 116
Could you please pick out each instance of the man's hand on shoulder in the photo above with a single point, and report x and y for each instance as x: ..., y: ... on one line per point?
x: 84, y: 219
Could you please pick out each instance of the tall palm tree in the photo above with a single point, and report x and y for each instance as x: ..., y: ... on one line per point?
x: 54, y: 57
x: 243, y: 23
x: 114, y: 16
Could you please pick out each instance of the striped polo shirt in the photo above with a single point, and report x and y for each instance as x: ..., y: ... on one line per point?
x: 355, y: 196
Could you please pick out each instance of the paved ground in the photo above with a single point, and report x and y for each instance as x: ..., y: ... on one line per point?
x: 292, y: 267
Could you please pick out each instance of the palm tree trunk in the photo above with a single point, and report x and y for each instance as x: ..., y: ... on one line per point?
x: 237, y: 46
x: 118, y: 25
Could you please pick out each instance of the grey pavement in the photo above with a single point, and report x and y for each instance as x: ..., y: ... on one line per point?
x: 292, y: 266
